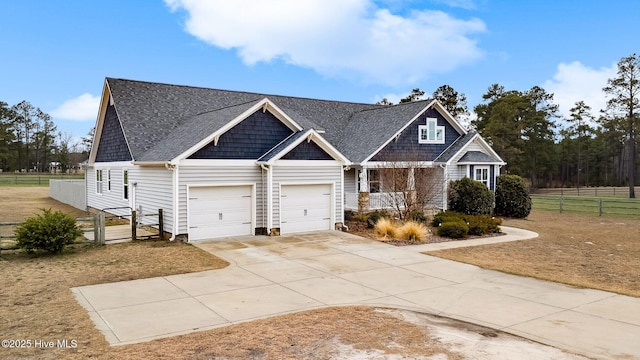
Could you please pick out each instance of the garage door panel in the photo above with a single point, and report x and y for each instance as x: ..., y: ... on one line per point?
x: 305, y: 208
x: 220, y: 211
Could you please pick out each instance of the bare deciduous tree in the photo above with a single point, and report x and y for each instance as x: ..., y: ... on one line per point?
x: 409, y: 186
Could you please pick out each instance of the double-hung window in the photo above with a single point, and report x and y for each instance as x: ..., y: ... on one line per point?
x: 98, y: 181
x: 431, y: 133
x: 374, y: 181
x: 481, y: 173
x: 125, y: 182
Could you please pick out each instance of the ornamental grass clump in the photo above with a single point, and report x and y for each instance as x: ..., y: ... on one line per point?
x: 413, y: 232
x: 49, y: 231
x: 385, y: 229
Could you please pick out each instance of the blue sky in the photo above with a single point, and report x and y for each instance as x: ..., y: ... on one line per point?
x: 56, y: 54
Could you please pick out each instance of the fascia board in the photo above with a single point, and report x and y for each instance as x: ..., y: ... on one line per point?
x: 97, y: 132
x: 450, y: 161
x: 447, y: 115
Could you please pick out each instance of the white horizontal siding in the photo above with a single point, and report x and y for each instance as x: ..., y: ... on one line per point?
x: 309, y: 175
x: 350, y: 179
x: 109, y: 198
x: 153, y: 191
x: 220, y: 175
x: 456, y: 172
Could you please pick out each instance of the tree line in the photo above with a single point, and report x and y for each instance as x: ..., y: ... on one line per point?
x: 29, y: 141
x: 585, y: 148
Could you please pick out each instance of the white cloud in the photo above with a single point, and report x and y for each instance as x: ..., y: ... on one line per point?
x: 393, y: 98
x: 464, y: 4
x: 574, y: 82
x: 347, y: 38
x: 84, y: 107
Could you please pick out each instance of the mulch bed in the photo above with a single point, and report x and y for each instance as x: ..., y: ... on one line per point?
x: 360, y: 228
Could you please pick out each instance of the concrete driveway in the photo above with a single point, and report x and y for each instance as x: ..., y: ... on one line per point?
x: 271, y: 276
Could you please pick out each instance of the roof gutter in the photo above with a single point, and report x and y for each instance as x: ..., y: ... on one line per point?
x: 153, y: 163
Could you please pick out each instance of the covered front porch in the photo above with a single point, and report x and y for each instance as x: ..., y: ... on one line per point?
x: 395, y: 186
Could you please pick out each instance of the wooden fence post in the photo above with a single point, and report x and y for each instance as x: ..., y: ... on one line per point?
x: 98, y: 229
x: 133, y: 225
x: 561, y: 203
x: 161, y: 224
x: 600, y: 207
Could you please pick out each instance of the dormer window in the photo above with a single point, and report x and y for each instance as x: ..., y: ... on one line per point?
x: 431, y: 133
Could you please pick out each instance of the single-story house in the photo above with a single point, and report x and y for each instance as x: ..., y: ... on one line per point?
x: 225, y: 163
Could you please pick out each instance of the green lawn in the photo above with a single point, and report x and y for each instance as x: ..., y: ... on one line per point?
x: 34, y: 179
x: 603, y: 206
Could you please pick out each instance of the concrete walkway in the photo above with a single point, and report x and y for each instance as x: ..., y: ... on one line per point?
x: 274, y: 276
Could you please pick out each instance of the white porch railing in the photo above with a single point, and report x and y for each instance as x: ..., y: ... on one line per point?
x: 377, y: 201
x: 381, y: 201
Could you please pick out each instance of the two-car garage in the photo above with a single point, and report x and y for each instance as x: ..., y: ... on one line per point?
x: 223, y: 211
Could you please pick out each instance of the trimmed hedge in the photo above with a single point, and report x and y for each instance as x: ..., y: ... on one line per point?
x: 475, y: 224
x: 512, y: 197
x: 444, y: 216
x: 470, y: 197
x: 456, y: 229
x: 483, y: 224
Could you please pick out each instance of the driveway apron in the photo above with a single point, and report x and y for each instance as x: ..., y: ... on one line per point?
x: 271, y: 276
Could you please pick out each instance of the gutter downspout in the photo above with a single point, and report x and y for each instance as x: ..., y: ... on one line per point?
x: 269, y: 197
x: 174, y: 180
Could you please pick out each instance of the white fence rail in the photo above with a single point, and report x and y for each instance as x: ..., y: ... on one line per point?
x: 71, y: 192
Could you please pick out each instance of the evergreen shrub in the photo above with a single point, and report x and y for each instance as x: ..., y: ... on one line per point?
x: 512, y: 197
x: 49, y: 231
x: 470, y: 197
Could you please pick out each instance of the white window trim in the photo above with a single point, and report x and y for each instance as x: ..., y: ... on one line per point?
x: 475, y: 174
x: 437, y: 128
x: 99, y: 181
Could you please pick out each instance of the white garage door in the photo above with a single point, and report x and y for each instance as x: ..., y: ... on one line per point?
x: 219, y: 211
x: 305, y: 208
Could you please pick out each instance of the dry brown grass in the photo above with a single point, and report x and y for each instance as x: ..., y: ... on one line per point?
x: 580, y: 250
x: 19, y: 203
x: 37, y: 302
x: 308, y: 335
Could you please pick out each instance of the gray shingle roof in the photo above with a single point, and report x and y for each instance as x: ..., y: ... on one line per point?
x: 458, y: 145
x: 183, y: 137
x: 477, y: 157
x: 161, y: 121
x: 367, y: 130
